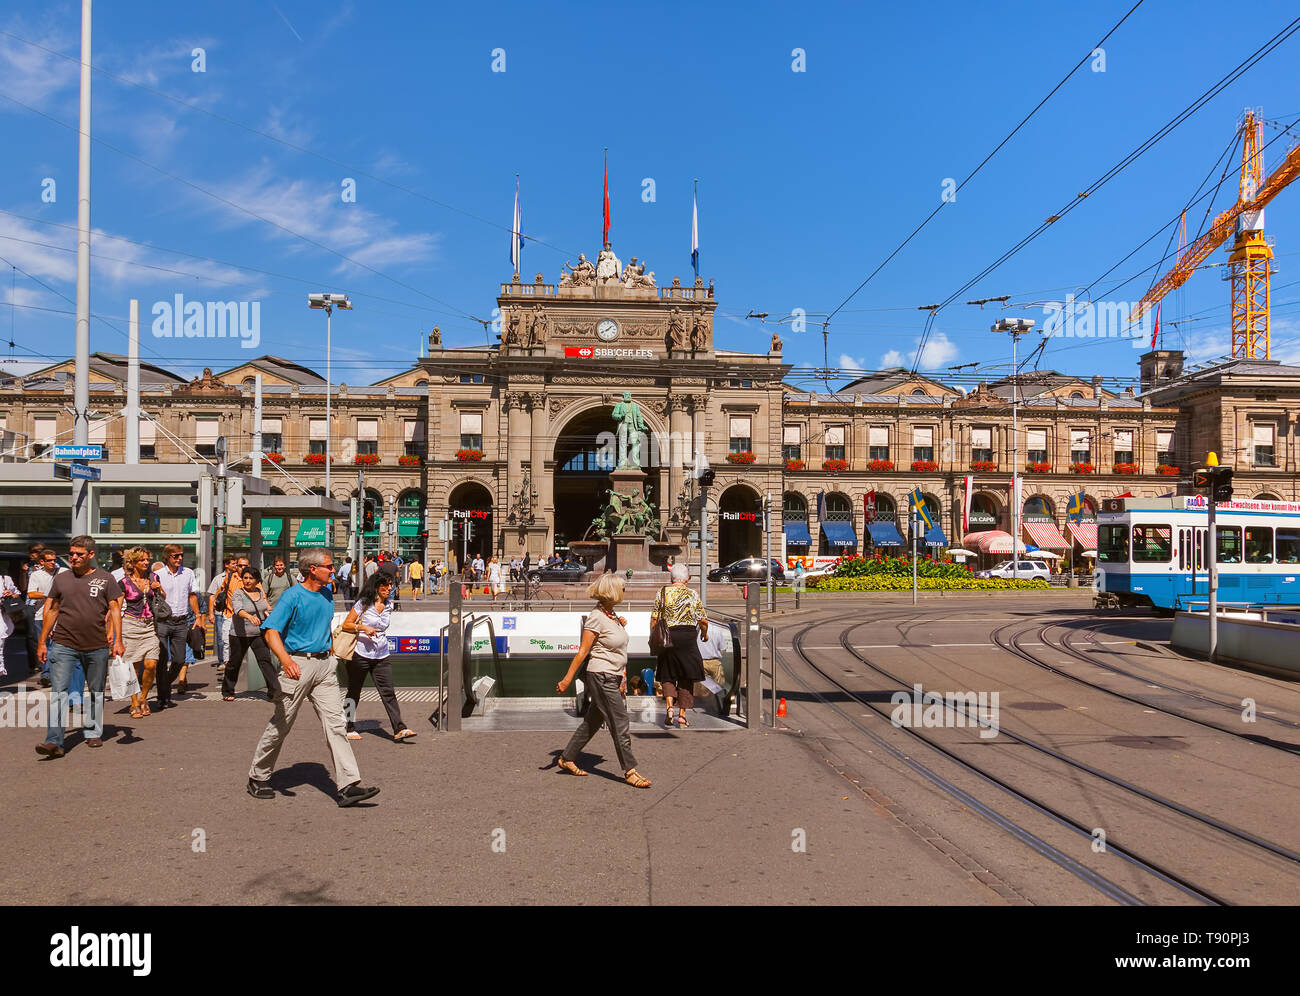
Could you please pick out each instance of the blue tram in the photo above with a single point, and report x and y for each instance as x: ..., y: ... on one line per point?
x: 1155, y: 551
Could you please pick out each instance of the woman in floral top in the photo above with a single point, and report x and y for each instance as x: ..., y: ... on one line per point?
x: 680, y: 665
x: 139, y: 636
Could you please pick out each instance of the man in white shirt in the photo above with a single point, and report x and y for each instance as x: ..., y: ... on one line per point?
x: 39, y: 583
x: 180, y: 589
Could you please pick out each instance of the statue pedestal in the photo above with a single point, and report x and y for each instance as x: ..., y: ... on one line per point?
x: 629, y: 553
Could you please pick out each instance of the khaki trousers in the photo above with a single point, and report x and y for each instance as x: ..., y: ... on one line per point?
x: 319, y: 685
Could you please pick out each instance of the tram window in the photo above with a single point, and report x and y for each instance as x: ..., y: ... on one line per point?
x: 1288, y: 546
x: 1259, y: 545
x: 1112, y: 545
x: 1152, y: 544
x: 1229, y: 543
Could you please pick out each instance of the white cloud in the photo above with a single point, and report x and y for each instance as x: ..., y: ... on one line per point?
x: 33, y: 76
x: 847, y: 362
x: 892, y: 359
x: 939, y: 351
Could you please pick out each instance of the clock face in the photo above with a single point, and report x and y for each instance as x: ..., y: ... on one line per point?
x: 607, y: 330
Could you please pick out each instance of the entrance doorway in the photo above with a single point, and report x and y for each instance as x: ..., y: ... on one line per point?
x: 470, y: 511
x: 585, y: 453
x: 740, y: 525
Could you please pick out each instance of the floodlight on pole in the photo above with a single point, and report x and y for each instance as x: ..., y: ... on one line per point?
x: 1015, y: 327
x: 327, y: 303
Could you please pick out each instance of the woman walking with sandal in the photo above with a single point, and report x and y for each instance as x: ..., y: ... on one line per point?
x: 139, y: 636
x: 251, y: 607
x: 369, y: 620
x: 604, y: 645
x: 680, y: 665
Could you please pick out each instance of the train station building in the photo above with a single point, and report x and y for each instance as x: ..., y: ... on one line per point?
x: 517, y: 438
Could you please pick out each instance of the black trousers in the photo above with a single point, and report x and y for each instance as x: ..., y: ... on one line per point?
x: 171, y: 638
x: 382, y: 672
x: 33, y: 635
x: 239, y: 647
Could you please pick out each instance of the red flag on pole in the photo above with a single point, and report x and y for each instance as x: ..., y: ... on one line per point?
x: 605, y: 229
x: 1156, y: 332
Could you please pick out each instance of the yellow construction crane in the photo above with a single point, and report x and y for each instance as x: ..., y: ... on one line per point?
x: 1250, y: 255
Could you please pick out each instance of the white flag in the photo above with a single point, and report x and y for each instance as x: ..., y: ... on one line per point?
x: 516, y: 233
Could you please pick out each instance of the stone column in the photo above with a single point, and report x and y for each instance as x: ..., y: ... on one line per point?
x: 518, y: 434
x: 679, y: 450
x: 543, y: 482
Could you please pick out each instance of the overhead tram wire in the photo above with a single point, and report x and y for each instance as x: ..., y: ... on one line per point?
x: 970, y: 176
x: 1239, y: 70
x: 287, y: 144
x: 239, y: 207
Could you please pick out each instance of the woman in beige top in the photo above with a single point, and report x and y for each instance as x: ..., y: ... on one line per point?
x: 604, y: 644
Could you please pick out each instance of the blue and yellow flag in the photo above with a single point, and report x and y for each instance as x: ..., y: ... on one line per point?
x: 918, y: 503
x: 1076, y: 508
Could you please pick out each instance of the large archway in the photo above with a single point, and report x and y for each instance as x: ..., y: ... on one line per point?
x: 740, y: 524
x: 470, y: 504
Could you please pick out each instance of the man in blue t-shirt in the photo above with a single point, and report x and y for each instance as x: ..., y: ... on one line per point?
x: 298, y: 633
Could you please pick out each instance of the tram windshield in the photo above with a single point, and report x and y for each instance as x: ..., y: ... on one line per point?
x: 1259, y: 545
x: 1152, y: 544
x: 1112, y: 544
x: 1229, y: 544
x: 1288, y: 546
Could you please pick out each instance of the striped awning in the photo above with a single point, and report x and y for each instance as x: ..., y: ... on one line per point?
x: 991, y: 541
x: 1084, y: 533
x: 1045, y: 535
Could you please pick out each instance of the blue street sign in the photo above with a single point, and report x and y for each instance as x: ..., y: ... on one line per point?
x: 80, y: 472
x: 86, y: 451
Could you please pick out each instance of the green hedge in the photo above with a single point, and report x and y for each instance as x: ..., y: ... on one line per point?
x: 855, y: 567
x: 892, y: 582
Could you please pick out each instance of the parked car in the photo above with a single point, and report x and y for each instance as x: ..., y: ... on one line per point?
x: 571, y: 571
x: 748, y: 569
x: 1027, y: 571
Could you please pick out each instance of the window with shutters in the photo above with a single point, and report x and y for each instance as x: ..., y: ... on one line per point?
x: 791, y: 443
x: 206, y: 430
x: 272, y: 435
x: 922, y: 443
x: 1036, y: 446
x: 414, y: 437
x: 44, y: 429
x: 1080, y: 446
x: 367, y: 436
x: 740, y: 438
x: 1263, y: 434
x: 878, y: 443
x: 1165, y: 447
x: 835, y: 442
x: 981, y: 445
x: 471, y: 430
x: 148, y: 439
x: 316, y: 436
x: 1123, y: 445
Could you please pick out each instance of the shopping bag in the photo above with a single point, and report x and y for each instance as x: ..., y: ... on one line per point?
x: 122, y: 680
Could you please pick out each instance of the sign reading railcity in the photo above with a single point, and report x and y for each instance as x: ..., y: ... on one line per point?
x: 470, y: 513
x: 740, y: 516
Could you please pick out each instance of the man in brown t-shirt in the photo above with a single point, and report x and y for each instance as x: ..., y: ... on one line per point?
x: 82, y: 619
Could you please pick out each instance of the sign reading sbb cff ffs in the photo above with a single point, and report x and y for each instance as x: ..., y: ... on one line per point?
x: 609, y: 353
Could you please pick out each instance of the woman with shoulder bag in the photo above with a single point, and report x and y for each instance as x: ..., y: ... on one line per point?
x: 369, y: 619
x: 604, y: 646
x: 680, y: 665
x: 251, y: 608
x: 141, y: 593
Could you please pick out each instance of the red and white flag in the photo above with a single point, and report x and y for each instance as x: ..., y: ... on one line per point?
x: 604, y: 237
x: 1155, y: 334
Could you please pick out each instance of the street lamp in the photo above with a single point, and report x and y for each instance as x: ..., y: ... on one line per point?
x: 328, y: 302
x: 1014, y: 327
x: 523, y: 502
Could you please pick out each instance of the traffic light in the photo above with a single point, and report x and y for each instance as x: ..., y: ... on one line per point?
x: 1203, y: 479
x: 1222, y: 484
x: 368, y: 516
x: 707, y: 477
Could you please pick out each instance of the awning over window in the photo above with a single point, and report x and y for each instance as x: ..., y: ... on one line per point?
x: 991, y: 541
x: 408, y: 524
x: 1046, y: 536
x: 1084, y: 533
x: 797, y: 534
x: 884, y: 534
x: 934, y: 537
x: 312, y: 532
x: 839, y: 533
x: 271, y: 530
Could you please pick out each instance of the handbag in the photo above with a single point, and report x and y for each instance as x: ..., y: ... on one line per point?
x: 660, y: 638
x: 122, y: 680
x: 343, y: 644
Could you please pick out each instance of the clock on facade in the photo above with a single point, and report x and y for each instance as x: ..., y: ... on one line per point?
x: 607, y: 330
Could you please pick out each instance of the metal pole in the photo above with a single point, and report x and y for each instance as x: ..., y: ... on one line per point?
x: 753, y: 660
x: 704, y: 547
x: 767, y: 531
x: 81, y: 383
x: 916, y: 527
x: 1214, y: 576
x: 329, y: 389
x: 219, y: 511
x: 455, y: 659
x: 1015, y: 460
x: 357, y: 521
x: 257, y: 425
x: 132, y: 455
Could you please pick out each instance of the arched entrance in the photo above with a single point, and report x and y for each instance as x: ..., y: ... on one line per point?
x: 740, y: 524
x: 410, y: 524
x: 470, y: 509
x: 984, y: 513
x: 794, y: 513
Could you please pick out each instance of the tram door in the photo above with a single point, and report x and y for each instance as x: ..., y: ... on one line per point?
x: 1185, y: 579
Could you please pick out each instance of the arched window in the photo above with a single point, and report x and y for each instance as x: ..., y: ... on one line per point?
x: 795, y: 507
x: 1038, y: 507
x: 838, y: 507
x: 886, y: 510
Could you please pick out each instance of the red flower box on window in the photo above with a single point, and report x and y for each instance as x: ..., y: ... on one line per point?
x: 744, y: 456
x: 794, y: 465
x: 880, y: 466
x: 466, y: 456
x: 1082, y: 468
x: 1167, y: 470
x: 409, y: 460
x: 835, y: 465
x: 314, y: 459
x: 366, y: 459
x: 1125, y: 468
x: 987, y: 466
x: 924, y: 466
x: 273, y: 457
x: 1039, y: 468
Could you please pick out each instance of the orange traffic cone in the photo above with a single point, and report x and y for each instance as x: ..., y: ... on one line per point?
x: 780, y: 708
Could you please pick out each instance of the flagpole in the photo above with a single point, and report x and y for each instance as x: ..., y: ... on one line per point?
x: 695, y: 228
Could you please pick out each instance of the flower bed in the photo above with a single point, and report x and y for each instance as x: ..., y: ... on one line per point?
x: 854, y: 566
x: 880, y: 466
x: 744, y: 456
x: 409, y: 460
x: 1081, y: 468
x: 893, y: 582
x: 835, y: 465
x: 366, y: 459
x: 794, y: 465
x: 1039, y: 468
x: 273, y: 457
x: 1125, y: 468
x: 466, y: 456
x: 1167, y: 470
x: 314, y: 459
x: 987, y: 466
x: 924, y: 466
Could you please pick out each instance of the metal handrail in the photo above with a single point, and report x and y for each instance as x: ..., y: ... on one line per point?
x: 471, y: 622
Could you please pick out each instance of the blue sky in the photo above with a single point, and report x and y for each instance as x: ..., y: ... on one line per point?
x: 807, y: 179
